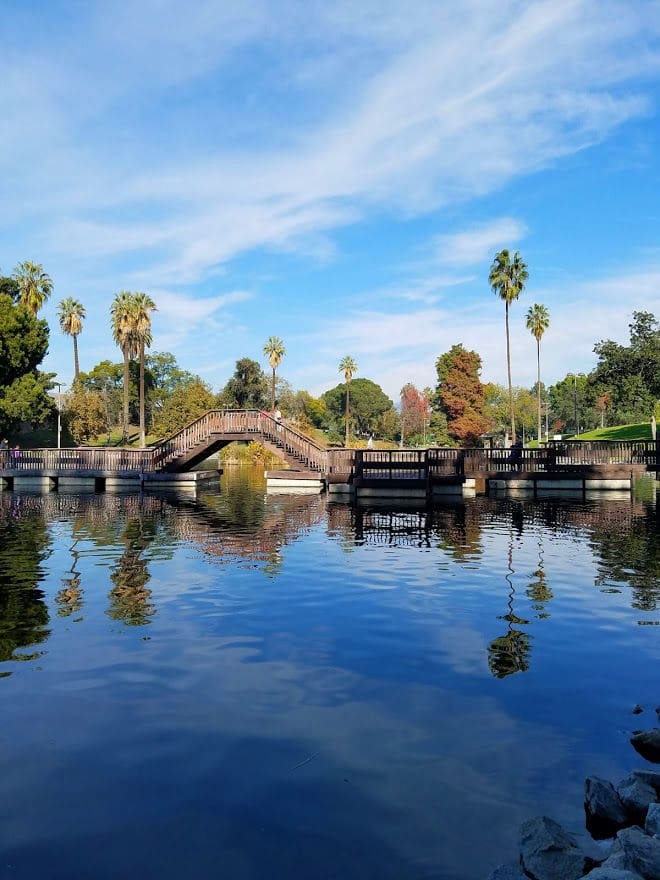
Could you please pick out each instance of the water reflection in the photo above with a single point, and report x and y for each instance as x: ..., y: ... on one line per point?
x: 510, y: 652
x: 130, y: 599
x: 24, y: 547
x: 326, y: 690
x: 70, y: 598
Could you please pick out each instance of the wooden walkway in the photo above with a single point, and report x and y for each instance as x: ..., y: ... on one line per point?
x: 356, y: 468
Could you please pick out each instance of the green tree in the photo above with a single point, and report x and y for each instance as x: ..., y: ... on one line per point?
x: 460, y: 394
x: 86, y: 414
x: 368, y: 404
x: 71, y: 314
x: 274, y: 350
x: 34, y: 285
x: 538, y: 321
x: 630, y: 373
x: 143, y: 306
x: 247, y: 388
x: 23, y: 346
x: 348, y: 367
x: 122, y: 315
x: 508, y: 276
x: 188, y: 401
x: 106, y: 379
x: 9, y: 287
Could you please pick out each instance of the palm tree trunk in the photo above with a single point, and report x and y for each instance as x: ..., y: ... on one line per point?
x: 538, y: 385
x: 76, y: 365
x: 142, y: 425
x: 347, y: 414
x: 272, y: 392
x: 126, y: 381
x: 508, y: 366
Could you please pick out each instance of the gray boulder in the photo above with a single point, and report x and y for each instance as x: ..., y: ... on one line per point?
x: 636, y: 796
x: 508, y: 872
x: 637, y: 852
x: 604, y: 808
x: 653, y: 820
x: 604, y: 873
x: 650, y: 777
x: 547, y: 852
x: 647, y: 743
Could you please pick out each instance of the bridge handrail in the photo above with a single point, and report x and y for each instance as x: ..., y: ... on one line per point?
x: 79, y: 458
x: 239, y: 421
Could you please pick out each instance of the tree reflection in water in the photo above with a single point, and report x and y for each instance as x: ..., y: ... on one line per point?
x: 510, y: 653
x: 538, y: 590
x: 70, y: 598
x: 130, y: 598
x: 24, y: 545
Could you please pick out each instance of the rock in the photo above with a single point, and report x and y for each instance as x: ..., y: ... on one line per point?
x: 547, y: 852
x: 647, y: 743
x: 636, y: 796
x: 507, y: 872
x: 604, y: 808
x: 604, y: 873
x: 650, y: 777
x: 637, y: 852
x: 637, y: 709
x: 653, y: 820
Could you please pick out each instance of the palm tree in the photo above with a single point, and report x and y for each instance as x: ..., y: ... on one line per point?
x: 274, y: 350
x: 122, y: 312
x: 143, y: 305
x: 507, y: 278
x: 34, y: 285
x: 71, y: 314
x: 347, y: 366
x: 538, y: 321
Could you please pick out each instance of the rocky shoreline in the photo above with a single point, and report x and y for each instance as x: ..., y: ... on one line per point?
x: 627, y: 815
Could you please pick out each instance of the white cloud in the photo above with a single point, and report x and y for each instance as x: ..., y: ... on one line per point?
x: 394, y: 349
x: 479, y: 243
x: 459, y: 102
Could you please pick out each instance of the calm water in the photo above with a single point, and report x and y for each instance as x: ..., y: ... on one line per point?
x: 252, y: 686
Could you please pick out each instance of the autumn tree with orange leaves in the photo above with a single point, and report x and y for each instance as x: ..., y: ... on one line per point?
x: 460, y: 395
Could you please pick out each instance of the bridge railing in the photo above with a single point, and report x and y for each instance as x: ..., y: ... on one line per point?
x: 85, y: 458
x: 605, y: 451
x: 240, y: 422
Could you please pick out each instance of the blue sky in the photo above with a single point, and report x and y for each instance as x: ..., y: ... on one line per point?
x: 337, y: 174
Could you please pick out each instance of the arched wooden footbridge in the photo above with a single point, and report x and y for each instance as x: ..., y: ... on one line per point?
x: 217, y: 428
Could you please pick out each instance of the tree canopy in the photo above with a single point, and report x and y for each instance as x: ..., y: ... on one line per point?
x: 23, y: 346
x: 460, y: 395
x: 247, y: 388
x: 368, y: 402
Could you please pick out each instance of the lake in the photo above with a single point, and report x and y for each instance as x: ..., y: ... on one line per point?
x: 246, y: 685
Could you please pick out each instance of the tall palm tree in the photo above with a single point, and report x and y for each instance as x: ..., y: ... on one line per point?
x: 538, y: 321
x: 508, y: 276
x: 143, y: 305
x: 71, y: 314
x: 34, y: 285
x: 348, y: 367
x: 122, y: 313
x: 274, y: 350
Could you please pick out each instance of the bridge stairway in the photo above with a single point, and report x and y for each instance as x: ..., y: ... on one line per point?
x: 217, y: 428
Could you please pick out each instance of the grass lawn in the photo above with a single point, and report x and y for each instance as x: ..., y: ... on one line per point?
x: 641, y: 431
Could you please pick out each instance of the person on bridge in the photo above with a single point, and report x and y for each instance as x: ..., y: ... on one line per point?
x: 277, y: 415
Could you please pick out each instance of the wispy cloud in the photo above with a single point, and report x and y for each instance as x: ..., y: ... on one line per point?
x: 466, y: 99
x: 475, y: 245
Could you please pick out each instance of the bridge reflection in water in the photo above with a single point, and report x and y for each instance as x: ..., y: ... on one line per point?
x: 128, y: 532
